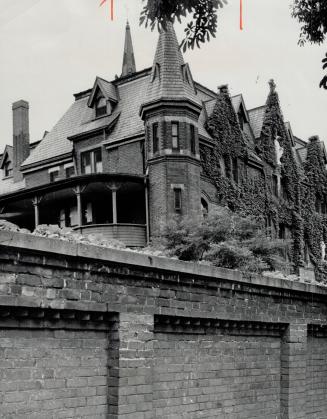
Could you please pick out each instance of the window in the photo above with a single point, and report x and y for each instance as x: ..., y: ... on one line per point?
x: 69, y: 171
x: 235, y: 170
x: 155, y: 138
x: 54, y: 176
x: 282, y: 231
x: 7, y: 168
x: 91, y: 162
x: 101, y: 107
x: 283, y: 188
x: 227, y: 164
x: 178, y: 199
x: 204, y: 207
x: 275, y: 185
x: 192, y: 139
x: 175, y: 135
x: 318, y: 204
x: 241, y: 119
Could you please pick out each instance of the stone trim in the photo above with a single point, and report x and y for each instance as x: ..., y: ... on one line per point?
x: 41, y: 318
x: 194, y: 325
x: 226, y: 280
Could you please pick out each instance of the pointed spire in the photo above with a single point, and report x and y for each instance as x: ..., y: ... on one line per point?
x: 128, y: 60
x: 171, y: 77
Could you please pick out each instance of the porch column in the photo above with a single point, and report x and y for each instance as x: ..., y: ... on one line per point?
x: 114, y: 205
x: 36, y: 202
x: 114, y: 186
x: 78, y: 192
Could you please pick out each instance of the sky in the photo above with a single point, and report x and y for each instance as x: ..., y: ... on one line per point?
x: 52, y: 49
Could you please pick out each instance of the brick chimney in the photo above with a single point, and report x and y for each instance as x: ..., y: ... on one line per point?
x: 21, y: 137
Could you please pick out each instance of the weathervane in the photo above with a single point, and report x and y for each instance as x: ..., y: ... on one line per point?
x: 111, y: 7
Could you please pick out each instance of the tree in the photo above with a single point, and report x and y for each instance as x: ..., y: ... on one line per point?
x: 202, y: 26
x: 312, y: 15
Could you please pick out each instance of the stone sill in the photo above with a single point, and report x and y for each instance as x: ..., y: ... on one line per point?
x: 59, y: 247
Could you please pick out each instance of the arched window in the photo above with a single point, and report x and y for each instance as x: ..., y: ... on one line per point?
x: 101, y: 107
x: 204, y: 207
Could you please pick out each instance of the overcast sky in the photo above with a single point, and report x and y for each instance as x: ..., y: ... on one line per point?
x: 52, y: 49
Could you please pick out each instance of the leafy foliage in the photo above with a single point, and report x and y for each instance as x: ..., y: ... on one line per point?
x: 312, y: 15
x: 199, y: 30
x: 315, y: 189
x: 225, y: 239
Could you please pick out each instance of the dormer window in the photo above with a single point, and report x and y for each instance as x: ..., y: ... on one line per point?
x: 241, y: 119
x: 100, y: 107
x: 7, y: 168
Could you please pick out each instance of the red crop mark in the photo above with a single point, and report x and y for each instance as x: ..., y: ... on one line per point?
x: 241, y: 15
x: 111, y: 6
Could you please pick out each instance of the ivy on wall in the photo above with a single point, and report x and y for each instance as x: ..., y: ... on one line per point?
x: 256, y: 196
x: 314, y: 189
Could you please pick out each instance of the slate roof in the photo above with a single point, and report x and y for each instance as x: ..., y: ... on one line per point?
x: 167, y: 78
x: 256, y: 116
x: 236, y: 101
x: 55, y: 143
x: 131, y: 96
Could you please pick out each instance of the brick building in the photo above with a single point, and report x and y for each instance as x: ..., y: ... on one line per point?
x: 130, y: 153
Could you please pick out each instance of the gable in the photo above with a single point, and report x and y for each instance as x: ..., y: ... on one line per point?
x: 105, y: 88
x: 6, y: 156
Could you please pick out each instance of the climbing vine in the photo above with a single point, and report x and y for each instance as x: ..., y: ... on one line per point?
x: 256, y: 195
x: 313, y: 208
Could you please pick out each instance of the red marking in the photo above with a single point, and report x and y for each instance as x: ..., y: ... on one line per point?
x: 111, y: 7
x: 241, y: 15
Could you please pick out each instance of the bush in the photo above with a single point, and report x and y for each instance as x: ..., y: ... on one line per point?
x: 224, y: 239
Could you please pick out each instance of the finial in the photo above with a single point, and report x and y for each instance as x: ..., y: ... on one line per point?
x: 314, y: 139
x: 272, y: 85
x: 223, y: 88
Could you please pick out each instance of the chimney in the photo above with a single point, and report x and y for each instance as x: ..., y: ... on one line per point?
x: 21, y: 137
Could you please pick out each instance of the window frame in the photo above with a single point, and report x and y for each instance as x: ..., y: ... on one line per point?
x: 67, y: 169
x: 101, y: 110
x: 155, y: 138
x: 93, y: 161
x: 178, y: 199
x: 274, y: 185
x: 7, y: 169
x: 235, y: 174
x: 192, y: 139
x: 54, y: 175
x: 177, y: 136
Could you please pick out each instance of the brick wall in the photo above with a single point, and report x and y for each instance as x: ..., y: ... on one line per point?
x: 216, y: 375
x: 53, y: 373
x: 316, y: 379
x: 166, y: 339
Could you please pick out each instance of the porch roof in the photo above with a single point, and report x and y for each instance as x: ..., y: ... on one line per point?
x: 71, y: 182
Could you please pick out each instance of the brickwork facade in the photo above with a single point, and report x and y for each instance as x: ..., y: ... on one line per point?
x: 169, y: 339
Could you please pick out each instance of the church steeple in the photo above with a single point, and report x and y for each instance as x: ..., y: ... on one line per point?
x: 128, y: 60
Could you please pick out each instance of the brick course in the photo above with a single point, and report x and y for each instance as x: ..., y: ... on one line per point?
x: 181, y: 340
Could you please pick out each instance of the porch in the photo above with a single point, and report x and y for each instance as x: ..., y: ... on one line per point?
x: 114, y: 205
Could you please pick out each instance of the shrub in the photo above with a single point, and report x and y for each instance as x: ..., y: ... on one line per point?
x: 224, y: 239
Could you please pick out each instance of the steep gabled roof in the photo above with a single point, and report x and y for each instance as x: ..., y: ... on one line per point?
x: 8, y: 152
x: 256, y: 116
x: 107, y: 89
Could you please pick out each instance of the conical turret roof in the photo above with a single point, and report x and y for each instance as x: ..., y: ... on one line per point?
x: 170, y: 77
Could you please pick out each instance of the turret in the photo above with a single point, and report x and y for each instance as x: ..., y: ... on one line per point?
x: 170, y: 112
